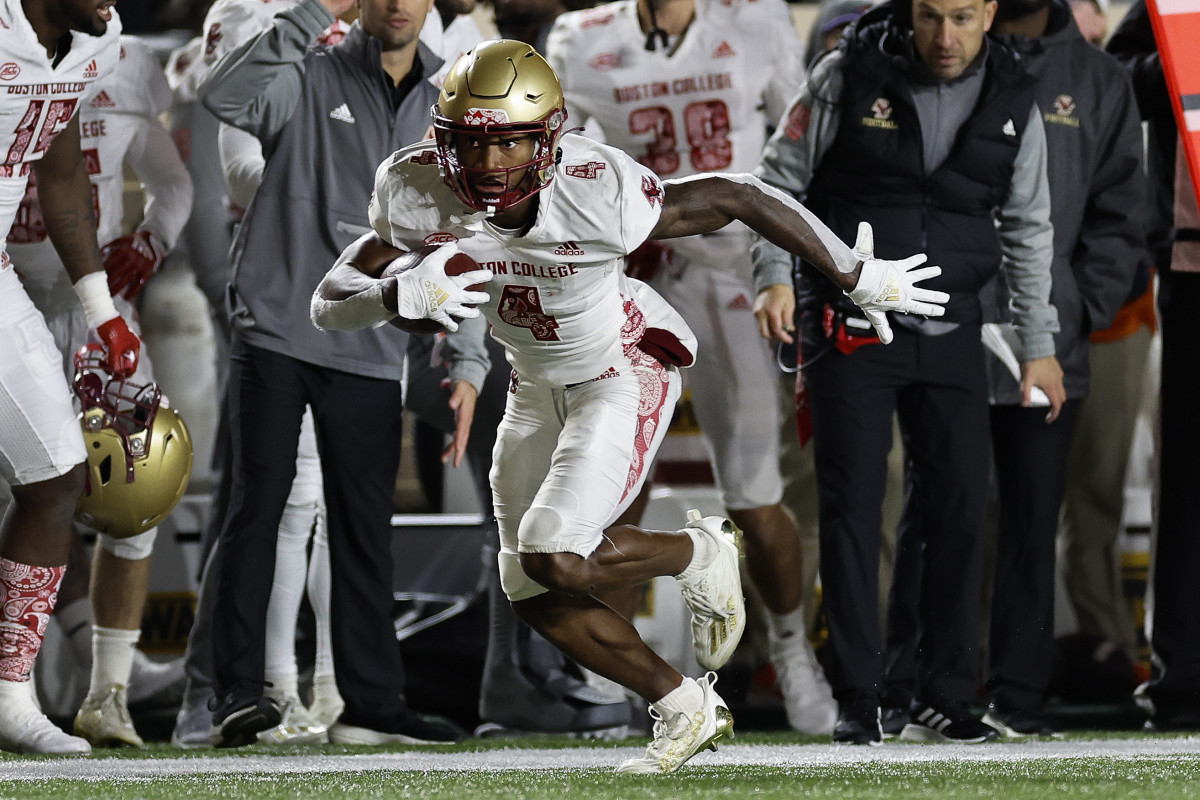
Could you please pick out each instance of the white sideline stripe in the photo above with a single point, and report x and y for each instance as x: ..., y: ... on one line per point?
x: 14, y: 768
x: 1178, y: 7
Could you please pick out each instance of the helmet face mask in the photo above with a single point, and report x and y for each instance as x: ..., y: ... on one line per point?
x: 139, y: 452
x: 502, y: 88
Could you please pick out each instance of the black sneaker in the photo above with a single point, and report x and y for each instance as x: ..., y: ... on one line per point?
x: 858, y: 721
x: 1168, y: 710
x: 239, y: 715
x: 1016, y: 724
x: 945, y: 723
x: 893, y: 720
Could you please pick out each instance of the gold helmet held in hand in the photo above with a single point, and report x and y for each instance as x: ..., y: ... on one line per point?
x: 139, y: 452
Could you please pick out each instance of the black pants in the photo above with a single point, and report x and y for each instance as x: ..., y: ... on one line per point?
x: 937, y: 386
x: 358, y: 435
x: 1031, y: 468
x: 1175, y: 576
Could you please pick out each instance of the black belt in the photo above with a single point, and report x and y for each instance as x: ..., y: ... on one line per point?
x: 1187, y: 235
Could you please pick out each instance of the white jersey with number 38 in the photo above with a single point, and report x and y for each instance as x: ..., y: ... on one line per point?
x: 558, y: 296
x: 37, y: 100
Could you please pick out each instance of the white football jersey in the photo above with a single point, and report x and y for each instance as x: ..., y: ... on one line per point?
x: 228, y: 23
x: 113, y: 122
x: 38, y: 100
x: 702, y: 105
x: 556, y: 298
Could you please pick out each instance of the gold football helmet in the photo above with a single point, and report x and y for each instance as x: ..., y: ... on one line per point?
x: 500, y: 87
x: 139, y: 452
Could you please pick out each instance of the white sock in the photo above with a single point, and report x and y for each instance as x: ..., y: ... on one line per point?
x: 75, y: 619
x: 291, y: 570
x: 683, y: 699
x: 112, y: 657
x: 318, y: 598
x: 785, y: 626
x: 703, y: 552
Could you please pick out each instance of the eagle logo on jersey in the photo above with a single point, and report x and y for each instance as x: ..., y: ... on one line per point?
x: 605, y: 61
x: 521, y: 307
x: 589, y: 171
x: 652, y: 189
x: 426, y: 158
x: 9, y: 71
x: 485, y: 116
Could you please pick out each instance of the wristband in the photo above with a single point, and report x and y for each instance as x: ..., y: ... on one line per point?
x: 92, y: 290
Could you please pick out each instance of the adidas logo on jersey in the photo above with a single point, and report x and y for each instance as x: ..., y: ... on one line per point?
x: 102, y: 100
x: 92, y: 69
x: 568, y: 249
x: 724, y: 50
x: 740, y: 303
x: 342, y: 114
x: 611, y: 372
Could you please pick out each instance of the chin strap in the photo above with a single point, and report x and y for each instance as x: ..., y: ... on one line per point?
x: 656, y: 34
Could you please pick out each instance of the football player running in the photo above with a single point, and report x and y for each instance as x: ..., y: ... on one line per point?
x: 698, y: 97
x: 52, y: 51
x: 595, y: 357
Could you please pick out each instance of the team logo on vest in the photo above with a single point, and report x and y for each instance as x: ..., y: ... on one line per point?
x: 605, y: 61
x: 1063, y: 113
x: 724, y: 50
x: 441, y: 237
x: 881, y: 115
x: 9, y: 71
x: 589, y: 171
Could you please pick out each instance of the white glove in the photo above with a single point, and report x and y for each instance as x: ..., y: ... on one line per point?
x: 889, y: 286
x: 427, y: 292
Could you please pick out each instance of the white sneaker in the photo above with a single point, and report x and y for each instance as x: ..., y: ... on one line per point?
x: 681, y: 737
x: 192, y: 727
x: 327, y: 704
x: 25, y: 729
x: 296, y: 725
x: 807, y: 698
x: 104, y: 720
x: 713, y: 592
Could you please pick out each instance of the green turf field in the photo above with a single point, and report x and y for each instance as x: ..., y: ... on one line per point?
x: 768, y: 766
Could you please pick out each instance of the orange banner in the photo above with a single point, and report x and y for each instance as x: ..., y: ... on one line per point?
x: 1177, y: 31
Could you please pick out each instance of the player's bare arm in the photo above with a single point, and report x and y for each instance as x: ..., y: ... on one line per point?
x: 703, y: 203
x: 65, y: 195
x: 706, y: 203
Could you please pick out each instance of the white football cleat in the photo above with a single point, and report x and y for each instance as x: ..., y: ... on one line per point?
x: 712, y: 589
x: 681, y: 737
x: 25, y: 729
x: 104, y: 720
x: 296, y: 725
x: 807, y: 698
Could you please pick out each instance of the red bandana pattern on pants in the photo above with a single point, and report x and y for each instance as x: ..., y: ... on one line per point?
x: 27, y: 597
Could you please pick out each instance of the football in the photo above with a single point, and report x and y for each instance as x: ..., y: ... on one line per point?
x: 458, y: 264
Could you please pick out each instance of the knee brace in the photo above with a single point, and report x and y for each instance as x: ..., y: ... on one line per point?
x: 131, y: 548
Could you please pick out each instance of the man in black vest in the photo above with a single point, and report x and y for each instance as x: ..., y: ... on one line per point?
x: 918, y: 126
